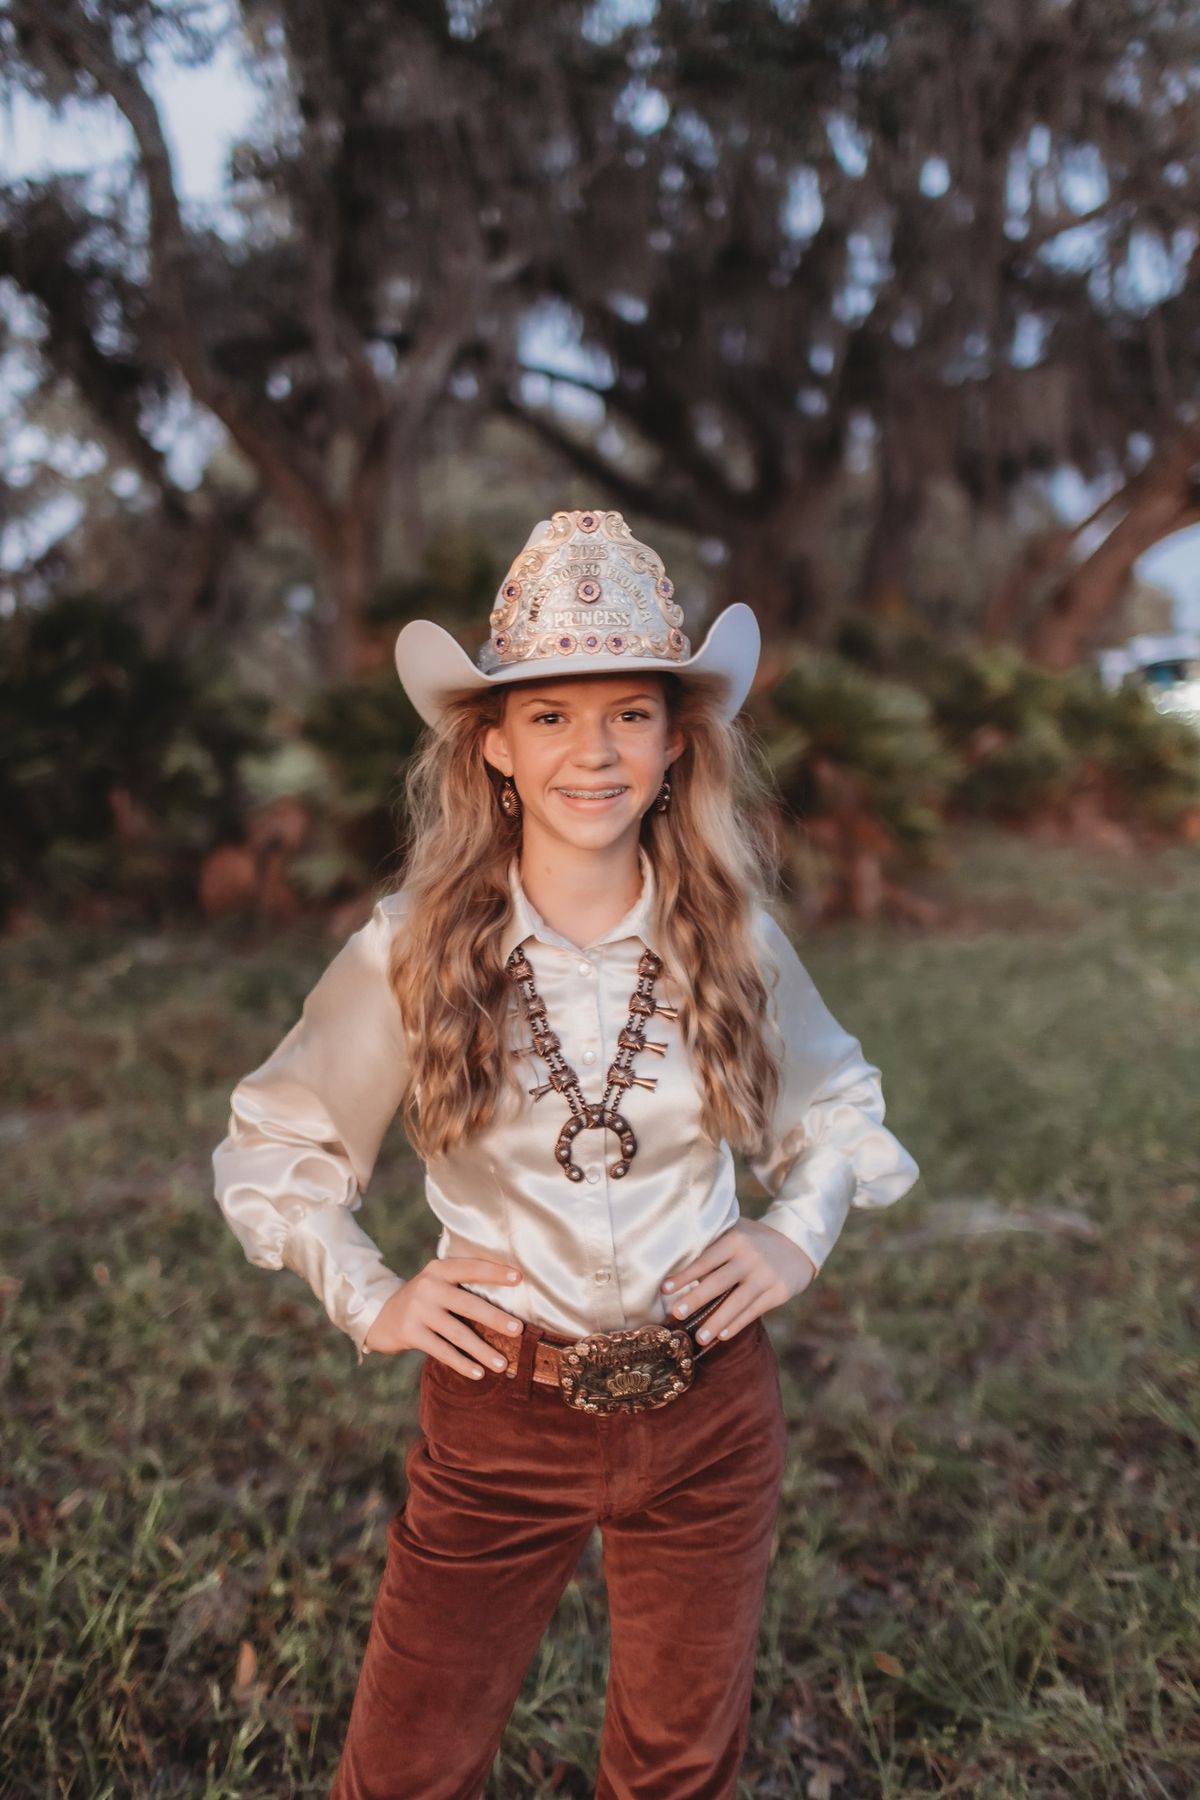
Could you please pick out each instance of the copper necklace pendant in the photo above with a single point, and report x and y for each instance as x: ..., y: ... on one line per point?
x: 587, y: 1115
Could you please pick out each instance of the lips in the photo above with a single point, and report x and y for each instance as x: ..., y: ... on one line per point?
x: 593, y: 797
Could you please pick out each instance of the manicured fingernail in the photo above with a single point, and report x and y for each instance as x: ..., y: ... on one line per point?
x: 514, y: 1325
x: 667, y: 1286
x: 681, y: 1308
x: 477, y: 1371
x: 704, y: 1333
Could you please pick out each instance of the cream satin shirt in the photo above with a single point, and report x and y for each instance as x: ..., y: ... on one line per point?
x: 306, y: 1128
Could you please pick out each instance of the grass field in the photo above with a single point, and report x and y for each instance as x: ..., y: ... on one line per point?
x: 986, y: 1578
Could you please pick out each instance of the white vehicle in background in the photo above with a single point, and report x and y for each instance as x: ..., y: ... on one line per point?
x: 1166, y: 664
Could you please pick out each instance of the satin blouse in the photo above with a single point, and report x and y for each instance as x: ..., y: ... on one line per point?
x: 306, y: 1127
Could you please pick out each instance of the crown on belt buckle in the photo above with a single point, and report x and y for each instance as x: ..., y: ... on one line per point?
x: 627, y: 1371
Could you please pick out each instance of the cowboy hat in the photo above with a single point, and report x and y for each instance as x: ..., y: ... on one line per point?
x: 583, y: 597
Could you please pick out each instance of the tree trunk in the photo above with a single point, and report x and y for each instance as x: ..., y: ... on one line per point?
x: 354, y: 559
x: 1008, y: 604
x: 1167, y: 499
x: 772, y: 568
x: 349, y: 647
x: 883, y: 577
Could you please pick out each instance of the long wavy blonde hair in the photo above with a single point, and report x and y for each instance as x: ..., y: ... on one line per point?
x: 713, y: 869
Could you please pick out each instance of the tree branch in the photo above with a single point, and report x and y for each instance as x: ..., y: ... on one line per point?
x: 76, y: 39
x: 677, y: 509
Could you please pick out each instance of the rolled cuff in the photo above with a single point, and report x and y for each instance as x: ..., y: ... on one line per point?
x: 827, y: 1183
x: 815, y: 1208
x: 344, y: 1267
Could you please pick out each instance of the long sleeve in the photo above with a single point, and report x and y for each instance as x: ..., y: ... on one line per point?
x: 830, y: 1150
x: 305, y: 1131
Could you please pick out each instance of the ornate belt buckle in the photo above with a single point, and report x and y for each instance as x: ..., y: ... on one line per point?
x: 627, y: 1371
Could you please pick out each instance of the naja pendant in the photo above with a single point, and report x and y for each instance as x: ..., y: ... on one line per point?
x: 597, y: 1117
x: 593, y: 1115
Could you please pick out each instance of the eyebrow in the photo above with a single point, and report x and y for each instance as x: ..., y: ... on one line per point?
x: 556, y: 700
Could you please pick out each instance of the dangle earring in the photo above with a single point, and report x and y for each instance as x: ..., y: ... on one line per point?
x: 510, y: 800
x: 663, y: 799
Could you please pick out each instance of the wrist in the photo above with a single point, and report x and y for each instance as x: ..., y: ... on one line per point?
x: 371, y: 1318
x: 792, y: 1260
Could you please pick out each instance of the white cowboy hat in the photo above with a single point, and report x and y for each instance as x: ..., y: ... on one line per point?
x: 584, y: 597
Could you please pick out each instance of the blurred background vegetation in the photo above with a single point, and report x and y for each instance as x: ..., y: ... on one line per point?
x: 986, y: 1574
x: 882, y: 317
x: 826, y: 298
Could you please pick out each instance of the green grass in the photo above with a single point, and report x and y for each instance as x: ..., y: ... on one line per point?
x: 986, y: 1580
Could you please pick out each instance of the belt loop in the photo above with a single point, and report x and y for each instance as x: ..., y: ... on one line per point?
x: 522, y: 1376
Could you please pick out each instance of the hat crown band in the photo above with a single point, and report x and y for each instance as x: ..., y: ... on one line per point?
x: 582, y: 586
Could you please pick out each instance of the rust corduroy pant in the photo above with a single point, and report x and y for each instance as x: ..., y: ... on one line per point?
x: 505, y: 1486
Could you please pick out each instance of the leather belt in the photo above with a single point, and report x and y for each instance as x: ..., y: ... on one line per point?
x: 634, y: 1370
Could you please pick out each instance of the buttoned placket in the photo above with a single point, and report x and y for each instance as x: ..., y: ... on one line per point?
x: 591, y: 1195
x: 595, y: 1052
x: 606, y: 1309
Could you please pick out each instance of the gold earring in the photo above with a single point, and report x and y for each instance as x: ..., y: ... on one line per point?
x: 663, y: 800
x: 510, y: 800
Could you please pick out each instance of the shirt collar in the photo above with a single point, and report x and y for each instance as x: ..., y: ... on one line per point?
x: 525, y: 920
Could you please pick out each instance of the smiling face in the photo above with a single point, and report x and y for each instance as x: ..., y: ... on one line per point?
x: 587, y: 754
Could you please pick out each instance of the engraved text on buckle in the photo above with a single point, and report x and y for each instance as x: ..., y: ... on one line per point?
x: 627, y: 1371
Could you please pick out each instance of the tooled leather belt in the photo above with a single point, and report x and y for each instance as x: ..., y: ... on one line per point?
x: 633, y: 1370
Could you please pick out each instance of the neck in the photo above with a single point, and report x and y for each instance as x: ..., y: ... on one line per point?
x: 578, y: 891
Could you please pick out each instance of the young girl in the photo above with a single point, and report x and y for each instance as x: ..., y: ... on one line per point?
x: 582, y: 1005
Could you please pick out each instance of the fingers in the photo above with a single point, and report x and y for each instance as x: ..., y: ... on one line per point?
x: 734, y: 1260
x: 743, y: 1302
x: 453, y: 1341
x: 731, y: 1318
x: 460, y: 1348
x: 418, y: 1316
x: 472, y: 1268
x: 712, y: 1258
x: 476, y: 1307
x: 693, y: 1300
x: 726, y: 1275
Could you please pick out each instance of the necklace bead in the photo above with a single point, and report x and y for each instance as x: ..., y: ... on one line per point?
x: 587, y: 1115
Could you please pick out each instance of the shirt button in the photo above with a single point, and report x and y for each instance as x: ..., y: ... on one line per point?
x: 603, y: 1276
x: 593, y: 1174
x: 589, y: 1056
x: 585, y: 968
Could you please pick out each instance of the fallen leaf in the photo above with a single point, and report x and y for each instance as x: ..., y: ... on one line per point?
x: 243, y: 1688
x: 823, y: 1780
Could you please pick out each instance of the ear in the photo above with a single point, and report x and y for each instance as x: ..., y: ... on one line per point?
x: 496, y: 751
x: 675, y: 744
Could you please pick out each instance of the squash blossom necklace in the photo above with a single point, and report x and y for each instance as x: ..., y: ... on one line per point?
x: 602, y: 1114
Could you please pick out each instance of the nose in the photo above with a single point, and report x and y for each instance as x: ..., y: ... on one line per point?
x: 592, y: 746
